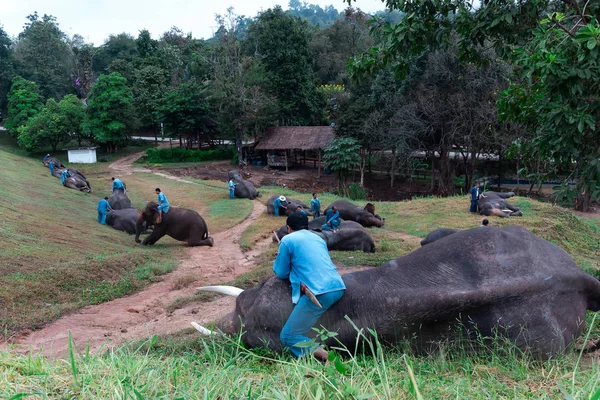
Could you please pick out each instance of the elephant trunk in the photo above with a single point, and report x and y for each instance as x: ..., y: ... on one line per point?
x: 139, y: 228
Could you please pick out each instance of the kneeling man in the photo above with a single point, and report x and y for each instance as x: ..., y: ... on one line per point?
x: 304, y: 259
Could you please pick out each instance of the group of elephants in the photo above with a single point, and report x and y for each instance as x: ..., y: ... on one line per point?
x: 469, y: 286
x: 75, y: 178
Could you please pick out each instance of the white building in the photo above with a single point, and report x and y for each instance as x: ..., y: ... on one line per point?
x: 82, y: 155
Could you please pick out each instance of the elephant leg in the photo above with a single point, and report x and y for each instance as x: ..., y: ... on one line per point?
x: 516, y: 214
x: 497, y: 212
x: 154, y: 236
x: 200, y: 242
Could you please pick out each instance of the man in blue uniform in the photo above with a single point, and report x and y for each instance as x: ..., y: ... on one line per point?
x: 301, y: 210
x: 475, y: 194
x: 332, y: 218
x: 64, y: 175
x: 51, y: 167
x: 163, y: 204
x: 118, y: 185
x: 278, y: 204
x: 315, y: 206
x: 103, y: 209
x: 231, y: 186
x: 304, y: 260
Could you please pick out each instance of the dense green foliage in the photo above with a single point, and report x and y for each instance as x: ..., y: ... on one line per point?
x: 110, y: 113
x: 24, y: 102
x: 341, y: 156
x: 183, y: 155
x: 56, y: 123
x: 184, y: 110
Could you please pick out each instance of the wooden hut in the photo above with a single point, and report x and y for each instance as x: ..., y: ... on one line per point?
x: 285, y: 143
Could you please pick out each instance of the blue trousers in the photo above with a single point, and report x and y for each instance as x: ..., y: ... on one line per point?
x: 102, y: 218
x: 231, y: 193
x: 473, y: 206
x: 304, y: 316
x: 52, y: 171
x: 316, y: 214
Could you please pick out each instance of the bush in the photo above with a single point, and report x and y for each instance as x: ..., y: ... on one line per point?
x: 157, y: 156
x: 356, y: 192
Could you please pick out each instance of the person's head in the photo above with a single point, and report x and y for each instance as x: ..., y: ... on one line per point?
x: 113, y: 178
x: 157, y: 190
x: 47, y: 155
x: 282, y: 198
x: 314, y: 195
x: 299, y: 208
x: 485, y: 222
x: 296, y: 222
x: 333, y: 208
x: 105, y: 197
x: 477, y: 185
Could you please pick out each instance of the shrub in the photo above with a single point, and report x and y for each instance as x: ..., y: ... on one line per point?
x: 356, y: 192
x: 158, y: 156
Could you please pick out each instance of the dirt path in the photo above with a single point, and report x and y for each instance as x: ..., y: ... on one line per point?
x: 145, y: 313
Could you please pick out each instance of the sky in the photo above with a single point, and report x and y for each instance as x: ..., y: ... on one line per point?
x: 96, y: 19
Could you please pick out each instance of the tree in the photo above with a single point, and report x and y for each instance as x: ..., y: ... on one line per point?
x: 24, y: 102
x: 84, y: 74
x: 185, y: 111
x: 237, y: 85
x: 56, y: 123
x: 117, y: 54
x: 43, y: 56
x: 6, y: 67
x: 110, y: 112
x: 341, y: 156
x: 280, y: 42
x: 148, y: 90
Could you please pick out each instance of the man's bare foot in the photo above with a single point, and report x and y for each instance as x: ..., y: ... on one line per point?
x: 321, y: 355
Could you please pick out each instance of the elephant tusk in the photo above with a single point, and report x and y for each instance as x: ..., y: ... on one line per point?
x: 201, y: 329
x: 228, y: 290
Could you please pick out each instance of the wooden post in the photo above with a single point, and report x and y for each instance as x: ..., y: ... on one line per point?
x: 286, y: 161
x: 319, y: 171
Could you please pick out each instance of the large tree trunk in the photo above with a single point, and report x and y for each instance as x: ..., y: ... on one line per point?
x: 393, y: 169
x: 363, y: 164
x: 445, y: 181
x: 238, y: 146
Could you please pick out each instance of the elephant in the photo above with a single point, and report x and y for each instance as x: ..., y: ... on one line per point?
x: 179, y: 223
x: 290, y: 203
x: 124, y: 219
x: 243, y: 189
x: 350, y: 236
x: 76, y: 180
x: 351, y: 212
x: 437, y: 235
x: 55, y: 161
x: 119, y: 200
x: 467, y: 289
x: 494, y: 203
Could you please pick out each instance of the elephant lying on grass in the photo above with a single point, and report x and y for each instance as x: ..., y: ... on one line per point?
x: 494, y: 203
x: 466, y: 288
x: 119, y: 201
x: 243, y: 189
x: 351, y: 212
x: 124, y: 220
x: 76, y: 180
x: 351, y: 236
x: 290, y: 204
x: 179, y: 223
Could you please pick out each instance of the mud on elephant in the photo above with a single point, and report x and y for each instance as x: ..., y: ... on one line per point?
x: 350, y: 236
x: 494, y: 203
x: 290, y: 206
x: 179, y: 223
x: 351, y: 212
x: 243, y: 189
x: 470, y: 287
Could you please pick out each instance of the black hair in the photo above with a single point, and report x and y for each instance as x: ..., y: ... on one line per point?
x: 485, y: 222
x: 315, y: 193
x: 113, y: 178
x: 157, y: 190
x: 297, y: 221
x: 105, y: 197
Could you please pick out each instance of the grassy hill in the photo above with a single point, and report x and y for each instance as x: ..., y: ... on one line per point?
x: 56, y: 258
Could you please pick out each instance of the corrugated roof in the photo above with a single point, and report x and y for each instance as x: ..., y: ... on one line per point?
x: 296, y: 138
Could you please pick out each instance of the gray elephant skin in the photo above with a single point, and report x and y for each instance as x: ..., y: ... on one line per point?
x: 119, y: 200
x: 290, y: 203
x: 472, y: 285
x: 124, y: 220
x: 351, y: 212
x: 179, y: 223
x: 495, y: 203
x: 437, y: 235
x: 243, y: 189
x: 351, y: 236
x: 76, y: 181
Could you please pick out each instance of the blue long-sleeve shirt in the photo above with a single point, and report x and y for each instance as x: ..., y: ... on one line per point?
x: 474, y: 193
x: 118, y: 184
x: 163, y: 202
x: 303, y: 258
x: 333, y: 218
x: 315, y: 205
x: 231, y: 185
x: 103, y: 206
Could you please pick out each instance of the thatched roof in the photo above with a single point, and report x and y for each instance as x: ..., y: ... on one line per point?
x: 296, y: 138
